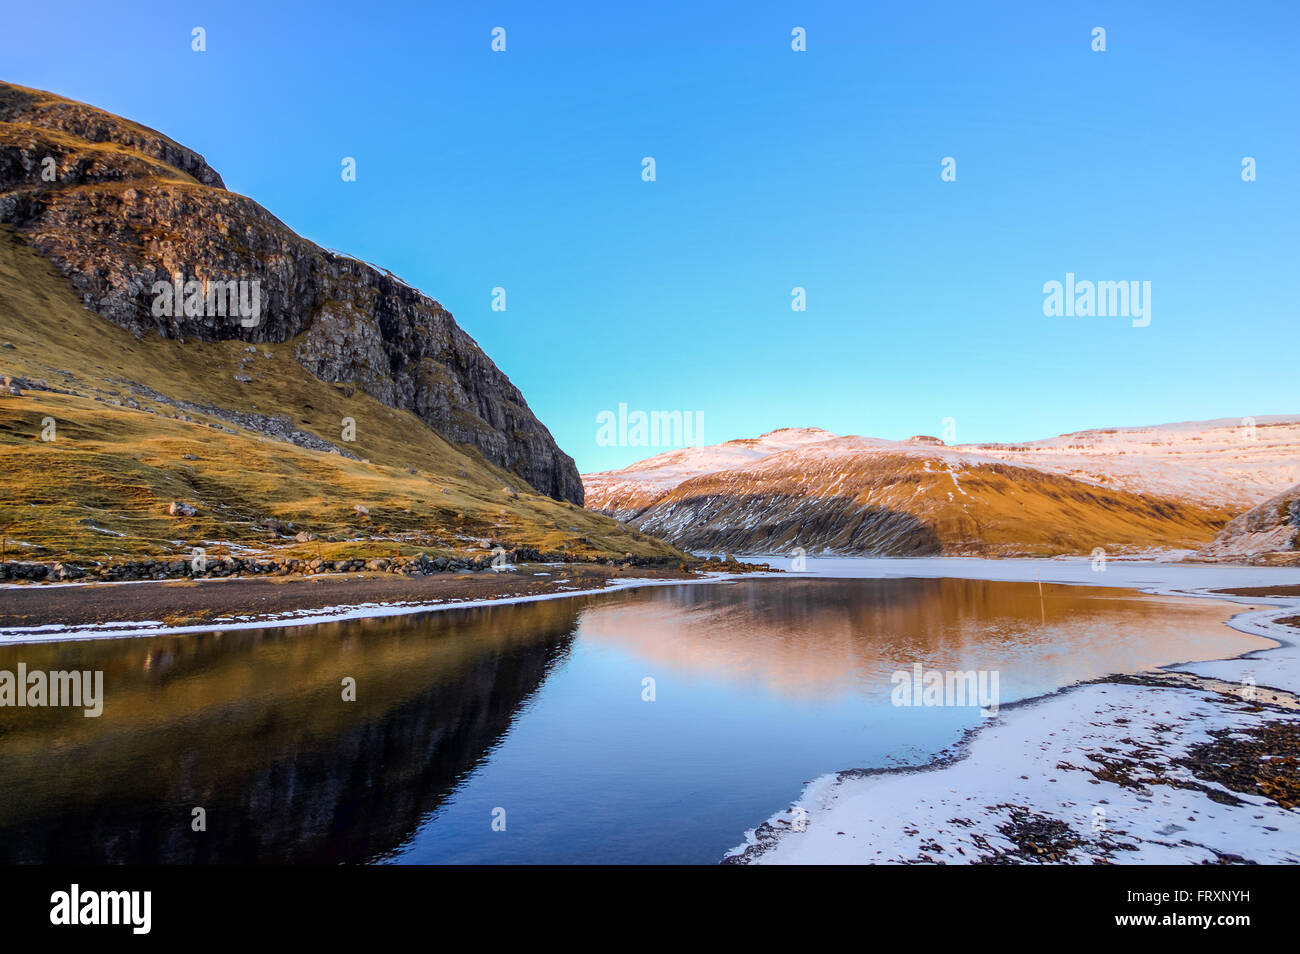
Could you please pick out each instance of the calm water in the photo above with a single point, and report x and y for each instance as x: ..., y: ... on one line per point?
x: 537, y: 709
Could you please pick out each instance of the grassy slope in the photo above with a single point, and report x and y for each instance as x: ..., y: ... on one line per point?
x: 102, y: 488
x: 904, y: 505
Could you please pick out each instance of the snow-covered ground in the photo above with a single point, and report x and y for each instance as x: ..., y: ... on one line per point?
x: 1096, y: 773
x: 1033, y: 769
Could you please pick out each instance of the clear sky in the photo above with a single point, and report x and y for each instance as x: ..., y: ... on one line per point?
x: 775, y: 169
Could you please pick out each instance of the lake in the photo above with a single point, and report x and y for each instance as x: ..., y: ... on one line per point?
x: 652, y: 725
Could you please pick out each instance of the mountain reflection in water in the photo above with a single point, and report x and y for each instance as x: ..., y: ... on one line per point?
x: 536, y: 709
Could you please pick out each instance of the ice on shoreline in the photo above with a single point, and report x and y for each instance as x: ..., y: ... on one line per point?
x: 1091, y: 774
x: 1027, y: 777
x: 1033, y: 778
x: 56, y: 632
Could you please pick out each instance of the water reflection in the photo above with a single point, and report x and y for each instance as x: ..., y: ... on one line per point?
x: 252, y: 727
x: 537, y: 707
x: 813, y: 637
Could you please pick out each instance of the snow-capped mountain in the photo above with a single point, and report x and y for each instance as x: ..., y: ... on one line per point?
x: 624, y: 493
x: 1129, y: 488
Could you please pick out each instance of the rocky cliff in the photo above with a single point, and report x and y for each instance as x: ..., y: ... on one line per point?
x: 118, y: 207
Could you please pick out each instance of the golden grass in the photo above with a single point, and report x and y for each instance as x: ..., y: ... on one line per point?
x: 997, y: 508
x: 101, y: 489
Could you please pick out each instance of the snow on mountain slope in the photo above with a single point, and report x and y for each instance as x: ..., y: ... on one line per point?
x: 1230, y: 462
x: 851, y: 496
x: 1131, y: 488
x: 623, y: 492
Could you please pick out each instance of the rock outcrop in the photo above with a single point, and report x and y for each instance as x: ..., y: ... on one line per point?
x: 119, y: 207
x: 1269, y: 533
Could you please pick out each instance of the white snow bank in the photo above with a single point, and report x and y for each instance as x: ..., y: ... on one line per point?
x: 1035, y: 763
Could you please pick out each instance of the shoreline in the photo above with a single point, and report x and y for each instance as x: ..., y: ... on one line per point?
x: 25, y: 614
x: 93, y: 611
x: 1122, y: 769
x: 1024, y: 787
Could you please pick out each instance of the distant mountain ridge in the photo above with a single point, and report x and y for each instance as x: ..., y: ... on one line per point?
x: 1236, y: 462
x: 1168, y: 486
x: 624, y: 493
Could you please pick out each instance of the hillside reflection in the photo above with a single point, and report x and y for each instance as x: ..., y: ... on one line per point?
x: 813, y: 637
x: 251, y: 726
x: 763, y: 684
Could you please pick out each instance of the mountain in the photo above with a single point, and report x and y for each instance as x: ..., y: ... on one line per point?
x: 1268, y: 533
x: 1234, y: 462
x: 623, y: 494
x: 354, y: 410
x: 117, y: 207
x: 1122, y: 488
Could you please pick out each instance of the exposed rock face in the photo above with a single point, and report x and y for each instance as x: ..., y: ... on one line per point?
x: 623, y: 494
x: 865, y: 501
x: 128, y: 207
x: 1269, y: 533
x: 811, y: 490
x: 77, y: 121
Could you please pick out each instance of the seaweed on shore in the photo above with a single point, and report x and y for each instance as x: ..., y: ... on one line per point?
x: 1263, y: 760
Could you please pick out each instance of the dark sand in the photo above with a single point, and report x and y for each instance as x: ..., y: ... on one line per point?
x: 187, y: 602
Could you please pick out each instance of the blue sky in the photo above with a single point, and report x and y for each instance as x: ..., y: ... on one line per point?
x: 775, y: 169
